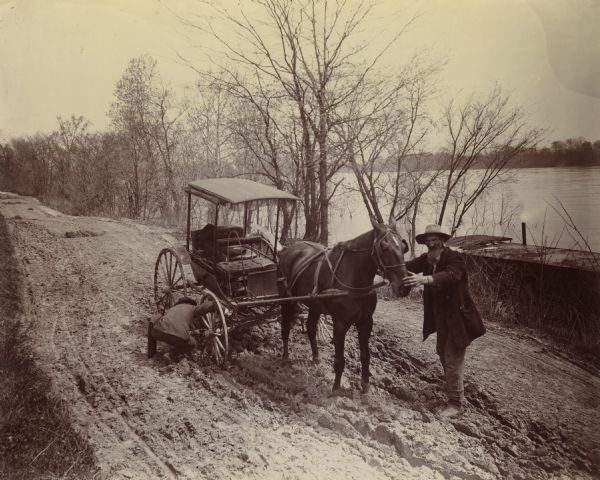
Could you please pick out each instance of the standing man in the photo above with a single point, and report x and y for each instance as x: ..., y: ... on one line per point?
x: 176, y: 324
x: 448, y: 308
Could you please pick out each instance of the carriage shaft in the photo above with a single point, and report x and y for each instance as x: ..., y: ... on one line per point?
x: 279, y: 300
x: 276, y: 299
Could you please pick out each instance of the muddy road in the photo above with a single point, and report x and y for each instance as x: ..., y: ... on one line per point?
x: 533, y: 411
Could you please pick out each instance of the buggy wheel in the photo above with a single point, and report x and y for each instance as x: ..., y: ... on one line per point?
x: 325, y: 329
x: 215, y: 340
x: 169, y: 279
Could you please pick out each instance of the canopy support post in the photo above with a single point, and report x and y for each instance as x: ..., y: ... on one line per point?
x: 189, y: 217
x: 215, y: 232
x: 276, y: 231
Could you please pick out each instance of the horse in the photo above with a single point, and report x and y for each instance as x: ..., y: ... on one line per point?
x: 309, y: 268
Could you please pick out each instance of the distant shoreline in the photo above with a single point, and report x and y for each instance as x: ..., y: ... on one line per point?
x: 347, y: 169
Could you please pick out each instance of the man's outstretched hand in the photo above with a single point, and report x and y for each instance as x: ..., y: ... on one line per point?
x: 416, y: 279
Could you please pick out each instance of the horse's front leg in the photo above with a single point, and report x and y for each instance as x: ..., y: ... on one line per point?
x: 312, y: 324
x: 364, y: 327
x: 339, y: 361
x: 287, y: 314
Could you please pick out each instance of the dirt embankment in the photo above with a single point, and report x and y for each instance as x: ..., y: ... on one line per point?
x: 532, y: 412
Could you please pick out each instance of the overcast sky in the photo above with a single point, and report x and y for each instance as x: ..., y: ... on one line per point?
x: 63, y: 57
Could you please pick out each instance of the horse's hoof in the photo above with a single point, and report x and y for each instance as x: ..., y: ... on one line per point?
x: 316, y: 360
x: 342, y: 392
x: 365, y: 387
x: 337, y: 392
x: 286, y: 362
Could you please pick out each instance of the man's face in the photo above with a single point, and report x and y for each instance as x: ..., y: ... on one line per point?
x: 433, y: 242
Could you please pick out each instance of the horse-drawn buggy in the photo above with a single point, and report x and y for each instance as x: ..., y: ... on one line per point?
x: 251, y: 279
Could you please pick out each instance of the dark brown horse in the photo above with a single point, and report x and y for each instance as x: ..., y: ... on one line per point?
x: 350, y: 266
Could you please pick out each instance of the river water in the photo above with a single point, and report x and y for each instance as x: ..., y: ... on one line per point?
x: 536, y: 196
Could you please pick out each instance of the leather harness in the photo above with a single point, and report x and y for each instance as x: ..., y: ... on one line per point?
x: 322, y: 256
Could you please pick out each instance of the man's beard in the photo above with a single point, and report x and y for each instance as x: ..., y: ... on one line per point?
x: 434, y: 254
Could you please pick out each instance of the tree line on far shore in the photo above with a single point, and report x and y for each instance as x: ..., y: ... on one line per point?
x: 573, y: 152
x: 292, y: 113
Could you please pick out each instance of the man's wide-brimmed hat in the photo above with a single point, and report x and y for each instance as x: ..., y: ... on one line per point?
x: 432, y: 230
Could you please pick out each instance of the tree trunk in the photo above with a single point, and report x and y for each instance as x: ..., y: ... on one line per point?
x: 323, y: 191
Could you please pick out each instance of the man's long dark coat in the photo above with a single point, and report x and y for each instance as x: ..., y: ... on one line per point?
x: 448, y: 300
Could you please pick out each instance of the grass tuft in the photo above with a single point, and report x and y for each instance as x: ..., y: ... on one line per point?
x: 562, y: 303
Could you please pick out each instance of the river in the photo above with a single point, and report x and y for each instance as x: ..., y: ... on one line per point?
x: 534, y: 196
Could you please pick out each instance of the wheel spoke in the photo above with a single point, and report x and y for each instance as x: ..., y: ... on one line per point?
x: 172, y: 269
x: 219, y: 343
x: 216, y: 351
x: 168, y: 276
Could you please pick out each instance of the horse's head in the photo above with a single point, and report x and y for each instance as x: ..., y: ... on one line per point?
x: 389, y: 248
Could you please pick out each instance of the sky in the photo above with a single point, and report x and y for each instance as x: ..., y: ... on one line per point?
x: 64, y: 57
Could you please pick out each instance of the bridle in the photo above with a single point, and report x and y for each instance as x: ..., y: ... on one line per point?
x: 374, y: 252
x: 378, y: 259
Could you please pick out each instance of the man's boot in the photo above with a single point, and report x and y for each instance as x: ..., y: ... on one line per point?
x: 452, y: 410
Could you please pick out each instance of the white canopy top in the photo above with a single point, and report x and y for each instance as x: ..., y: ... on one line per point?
x: 235, y: 190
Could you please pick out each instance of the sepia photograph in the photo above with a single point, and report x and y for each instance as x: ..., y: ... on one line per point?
x: 300, y: 239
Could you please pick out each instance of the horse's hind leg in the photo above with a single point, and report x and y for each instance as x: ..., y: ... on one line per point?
x: 312, y: 324
x: 287, y: 315
x: 364, y: 328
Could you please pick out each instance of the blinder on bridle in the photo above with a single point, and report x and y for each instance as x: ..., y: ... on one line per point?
x: 376, y: 251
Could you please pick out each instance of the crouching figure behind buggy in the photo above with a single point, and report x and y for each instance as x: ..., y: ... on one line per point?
x: 176, y: 325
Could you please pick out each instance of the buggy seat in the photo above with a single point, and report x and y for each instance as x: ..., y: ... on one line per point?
x: 227, y: 241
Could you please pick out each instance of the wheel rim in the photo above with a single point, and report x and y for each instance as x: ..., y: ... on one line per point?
x: 169, y: 279
x: 216, y: 339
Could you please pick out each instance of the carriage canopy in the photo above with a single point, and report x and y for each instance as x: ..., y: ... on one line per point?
x: 235, y: 190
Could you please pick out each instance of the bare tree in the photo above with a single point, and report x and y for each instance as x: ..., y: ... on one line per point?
x: 484, y: 136
x: 96, y: 179
x: 209, y: 111
x: 6, y: 165
x: 304, y: 48
x: 385, y: 135
x: 144, y: 111
x: 69, y: 139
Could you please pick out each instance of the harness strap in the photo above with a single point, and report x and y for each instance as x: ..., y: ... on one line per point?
x: 307, y: 262
x: 324, y: 257
x: 353, y: 291
x: 315, y: 289
x: 334, y: 269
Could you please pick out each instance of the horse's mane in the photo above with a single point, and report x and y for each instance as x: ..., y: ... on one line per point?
x: 358, y: 243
